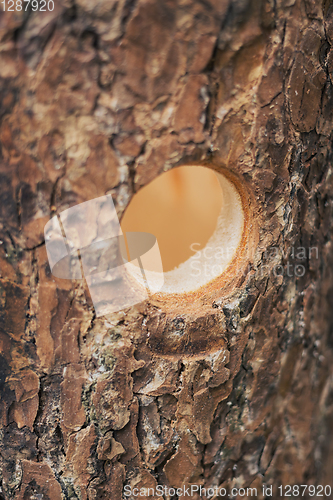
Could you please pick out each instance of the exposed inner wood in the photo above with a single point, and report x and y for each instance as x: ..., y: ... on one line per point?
x: 180, y: 207
x: 197, y: 217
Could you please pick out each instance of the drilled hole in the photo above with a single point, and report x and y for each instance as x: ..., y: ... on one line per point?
x: 197, y: 217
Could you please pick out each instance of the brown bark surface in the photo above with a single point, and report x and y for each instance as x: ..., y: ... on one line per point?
x: 101, y: 97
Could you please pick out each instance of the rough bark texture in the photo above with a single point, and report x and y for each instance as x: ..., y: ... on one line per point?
x: 101, y: 97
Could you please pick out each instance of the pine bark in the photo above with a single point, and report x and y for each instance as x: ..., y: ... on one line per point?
x: 101, y: 98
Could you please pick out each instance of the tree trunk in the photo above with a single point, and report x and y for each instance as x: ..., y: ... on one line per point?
x: 101, y: 97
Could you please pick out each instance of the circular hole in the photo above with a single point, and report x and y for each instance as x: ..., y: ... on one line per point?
x: 197, y: 217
